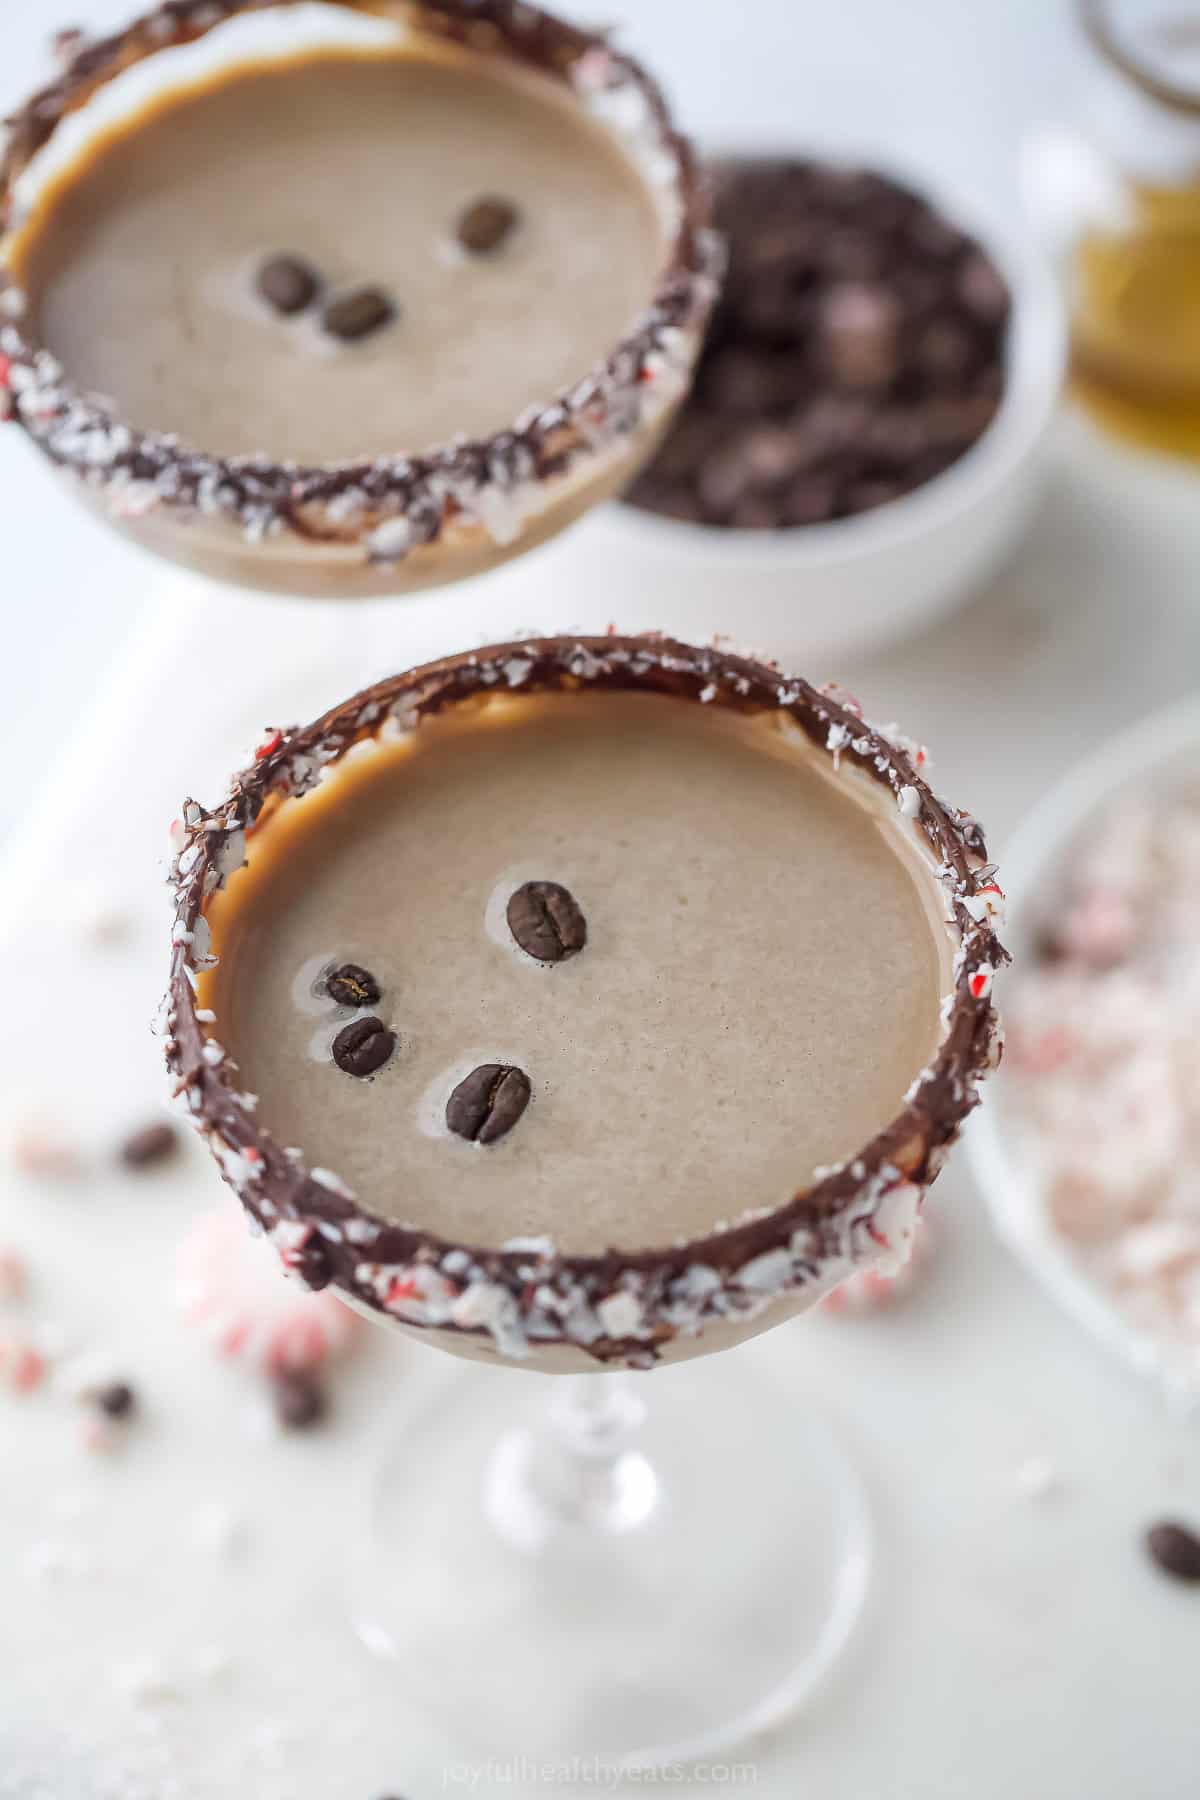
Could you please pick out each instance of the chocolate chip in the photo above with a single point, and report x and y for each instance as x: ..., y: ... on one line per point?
x: 546, y: 921
x: 299, y: 1400
x: 352, y: 985
x: 363, y: 1047
x: 152, y: 1144
x: 354, y: 316
x: 484, y: 225
x: 117, y: 1400
x: 1175, y: 1549
x: 288, y: 284
x: 488, y: 1103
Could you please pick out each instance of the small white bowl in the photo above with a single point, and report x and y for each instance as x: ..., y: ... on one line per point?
x: 813, y: 593
x: 1159, y: 748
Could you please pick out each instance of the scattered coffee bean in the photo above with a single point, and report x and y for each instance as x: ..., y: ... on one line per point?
x: 116, y: 1400
x: 299, y: 1401
x: 363, y: 1047
x: 546, y: 921
x: 1175, y: 1549
x: 858, y: 350
x: 153, y: 1144
x: 352, y: 985
x: 488, y: 1103
x: 485, y: 224
x: 352, y: 317
x: 288, y: 284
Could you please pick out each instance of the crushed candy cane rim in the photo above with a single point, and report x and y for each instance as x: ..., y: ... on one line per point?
x: 622, y: 1306
x: 386, y: 506
x: 1034, y: 865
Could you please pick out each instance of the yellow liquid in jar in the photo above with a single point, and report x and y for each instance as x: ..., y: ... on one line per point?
x: 1136, y: 364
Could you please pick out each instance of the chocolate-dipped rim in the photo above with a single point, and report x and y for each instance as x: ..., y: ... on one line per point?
x: 394, y: 504
x: 621, y: 1305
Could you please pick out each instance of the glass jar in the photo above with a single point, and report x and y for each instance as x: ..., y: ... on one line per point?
x: 1118, y: 195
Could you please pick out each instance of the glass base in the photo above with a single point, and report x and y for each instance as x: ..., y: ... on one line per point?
x: 635, y: 1570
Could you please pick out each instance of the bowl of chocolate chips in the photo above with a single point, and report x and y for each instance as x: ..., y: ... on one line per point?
x: 868, y: 427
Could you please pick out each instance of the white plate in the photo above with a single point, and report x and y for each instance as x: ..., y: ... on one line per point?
x: 1164, y: 746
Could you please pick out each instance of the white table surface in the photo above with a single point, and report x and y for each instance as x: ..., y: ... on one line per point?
x: 1012, y: 1647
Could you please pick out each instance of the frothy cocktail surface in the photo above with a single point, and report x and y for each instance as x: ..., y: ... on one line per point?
x: 759, y: 986
x: 142, y: 260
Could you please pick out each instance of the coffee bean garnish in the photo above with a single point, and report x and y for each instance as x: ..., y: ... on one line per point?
x: 363, y: 1047
x: 484, y: 225
x: 352, y: 985
x: 299, y: 1401
x: 1175, y: 1549
x: 153, y: 1144
x: 488, y: 1103
x: 546, y: 921
x: 117, y: 1400
x: 354, y: 316
x: 288, y: 284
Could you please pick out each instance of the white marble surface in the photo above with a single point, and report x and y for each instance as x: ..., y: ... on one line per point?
x: 1012, y: 1646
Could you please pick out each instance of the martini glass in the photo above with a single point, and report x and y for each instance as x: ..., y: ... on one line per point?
x: 424, y: 517
x: 597, y: 1546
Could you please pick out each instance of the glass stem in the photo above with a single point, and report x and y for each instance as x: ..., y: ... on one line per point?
x: 580, y: 1470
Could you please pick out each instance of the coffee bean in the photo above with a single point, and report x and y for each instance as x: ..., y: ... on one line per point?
x: 363, y: 1047
x: 773, y: 453
x: 943, y: 350
x: 740, y: 383
x: 357, y: 315
x: 755, y: 513
x: 488, y: 1103
x: 546, y: 921
x: 724, y: 479
x: 865, y: 496
x: 484, y: 225
x: 288, y: 284
x: 299, y: 1401
x: 1175, y: 1549
x: 352, y: 985
x: 809, y: 501
x: 859, y: 326
x: 152, y: 1144
x: 857, y: 351
x: 983, y: 290
x: 117, y: 1400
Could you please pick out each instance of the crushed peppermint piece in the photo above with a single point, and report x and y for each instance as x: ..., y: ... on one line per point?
x: 23, y: 1367
x: 14, y: 1275
x: 909, y: 802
